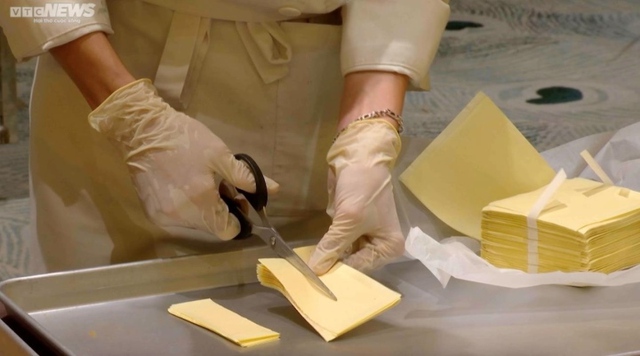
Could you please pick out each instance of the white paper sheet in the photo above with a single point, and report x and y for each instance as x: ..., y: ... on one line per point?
x: 619, y: 156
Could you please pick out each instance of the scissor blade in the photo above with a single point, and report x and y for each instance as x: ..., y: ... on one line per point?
x: 299, y: 264
x: 283, y: 250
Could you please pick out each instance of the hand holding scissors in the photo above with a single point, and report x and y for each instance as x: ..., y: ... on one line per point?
x: 265, y: 230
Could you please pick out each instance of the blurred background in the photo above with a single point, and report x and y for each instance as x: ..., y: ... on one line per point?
x: 559, y: 69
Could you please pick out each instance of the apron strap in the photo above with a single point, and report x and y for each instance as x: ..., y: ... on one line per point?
x: 182, y: 59
x: 187, y: 44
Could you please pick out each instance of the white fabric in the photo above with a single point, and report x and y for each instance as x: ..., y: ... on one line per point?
x: 252, y: 10
x: 87, y: 210
x: 268, y: 47
x: 181, y: 61
x: 29, y: 37
x: 401, y: 35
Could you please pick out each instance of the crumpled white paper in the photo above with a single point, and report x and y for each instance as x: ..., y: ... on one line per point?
x: 618, y: 154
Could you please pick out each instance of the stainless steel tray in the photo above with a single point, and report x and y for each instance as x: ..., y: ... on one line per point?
x: 121, y: 310
x: 12, y: 344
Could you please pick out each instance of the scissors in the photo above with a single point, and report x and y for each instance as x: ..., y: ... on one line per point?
x: 266, y: 231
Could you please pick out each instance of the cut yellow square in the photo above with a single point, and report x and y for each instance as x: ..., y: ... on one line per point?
x: 224, y: 322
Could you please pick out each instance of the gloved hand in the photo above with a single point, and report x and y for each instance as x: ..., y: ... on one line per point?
x: 365, y: 232
x: 172, y: 160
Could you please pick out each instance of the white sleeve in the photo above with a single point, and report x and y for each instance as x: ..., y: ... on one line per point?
x: 399, y: 36
x: 33, y: 27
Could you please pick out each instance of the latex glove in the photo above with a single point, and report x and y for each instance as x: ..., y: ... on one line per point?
x: 365, y: 232
x: 172, y: 160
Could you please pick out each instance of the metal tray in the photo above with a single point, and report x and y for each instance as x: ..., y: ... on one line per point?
x: 12, y: 344
x: 121, y: 310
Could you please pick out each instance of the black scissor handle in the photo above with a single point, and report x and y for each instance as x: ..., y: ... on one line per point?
x: 258, y: 200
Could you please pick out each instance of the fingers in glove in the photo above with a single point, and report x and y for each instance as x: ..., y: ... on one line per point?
x: 197, y: 206
x: 272, y: 186
x: 373, y: 253
x: 227, y: 190
x: 333, y: 245
x: 218, y: 220
x: 237, y: 173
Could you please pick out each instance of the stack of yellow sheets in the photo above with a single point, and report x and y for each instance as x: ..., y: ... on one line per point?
x: 584, y: 226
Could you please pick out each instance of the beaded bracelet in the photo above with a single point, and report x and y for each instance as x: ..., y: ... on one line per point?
x: 375, y: 115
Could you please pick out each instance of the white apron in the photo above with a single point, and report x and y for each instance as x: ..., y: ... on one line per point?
x: 277, y: 101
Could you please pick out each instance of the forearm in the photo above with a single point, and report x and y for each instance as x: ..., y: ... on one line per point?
x: 369, y: 91
x: 94, y: 67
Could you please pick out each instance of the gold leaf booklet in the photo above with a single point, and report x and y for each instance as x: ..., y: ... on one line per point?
x: 483, y: 178
x: 586, y: 226
x: 360, y: 298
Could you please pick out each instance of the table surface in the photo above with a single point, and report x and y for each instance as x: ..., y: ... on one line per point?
x: 123, y: 310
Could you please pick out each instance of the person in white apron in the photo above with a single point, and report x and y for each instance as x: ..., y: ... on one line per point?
x: 273, y: 79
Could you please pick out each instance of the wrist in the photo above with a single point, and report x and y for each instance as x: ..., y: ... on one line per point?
x: 94, y: 67
x: 389, y: 116
x: 366, y: 92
